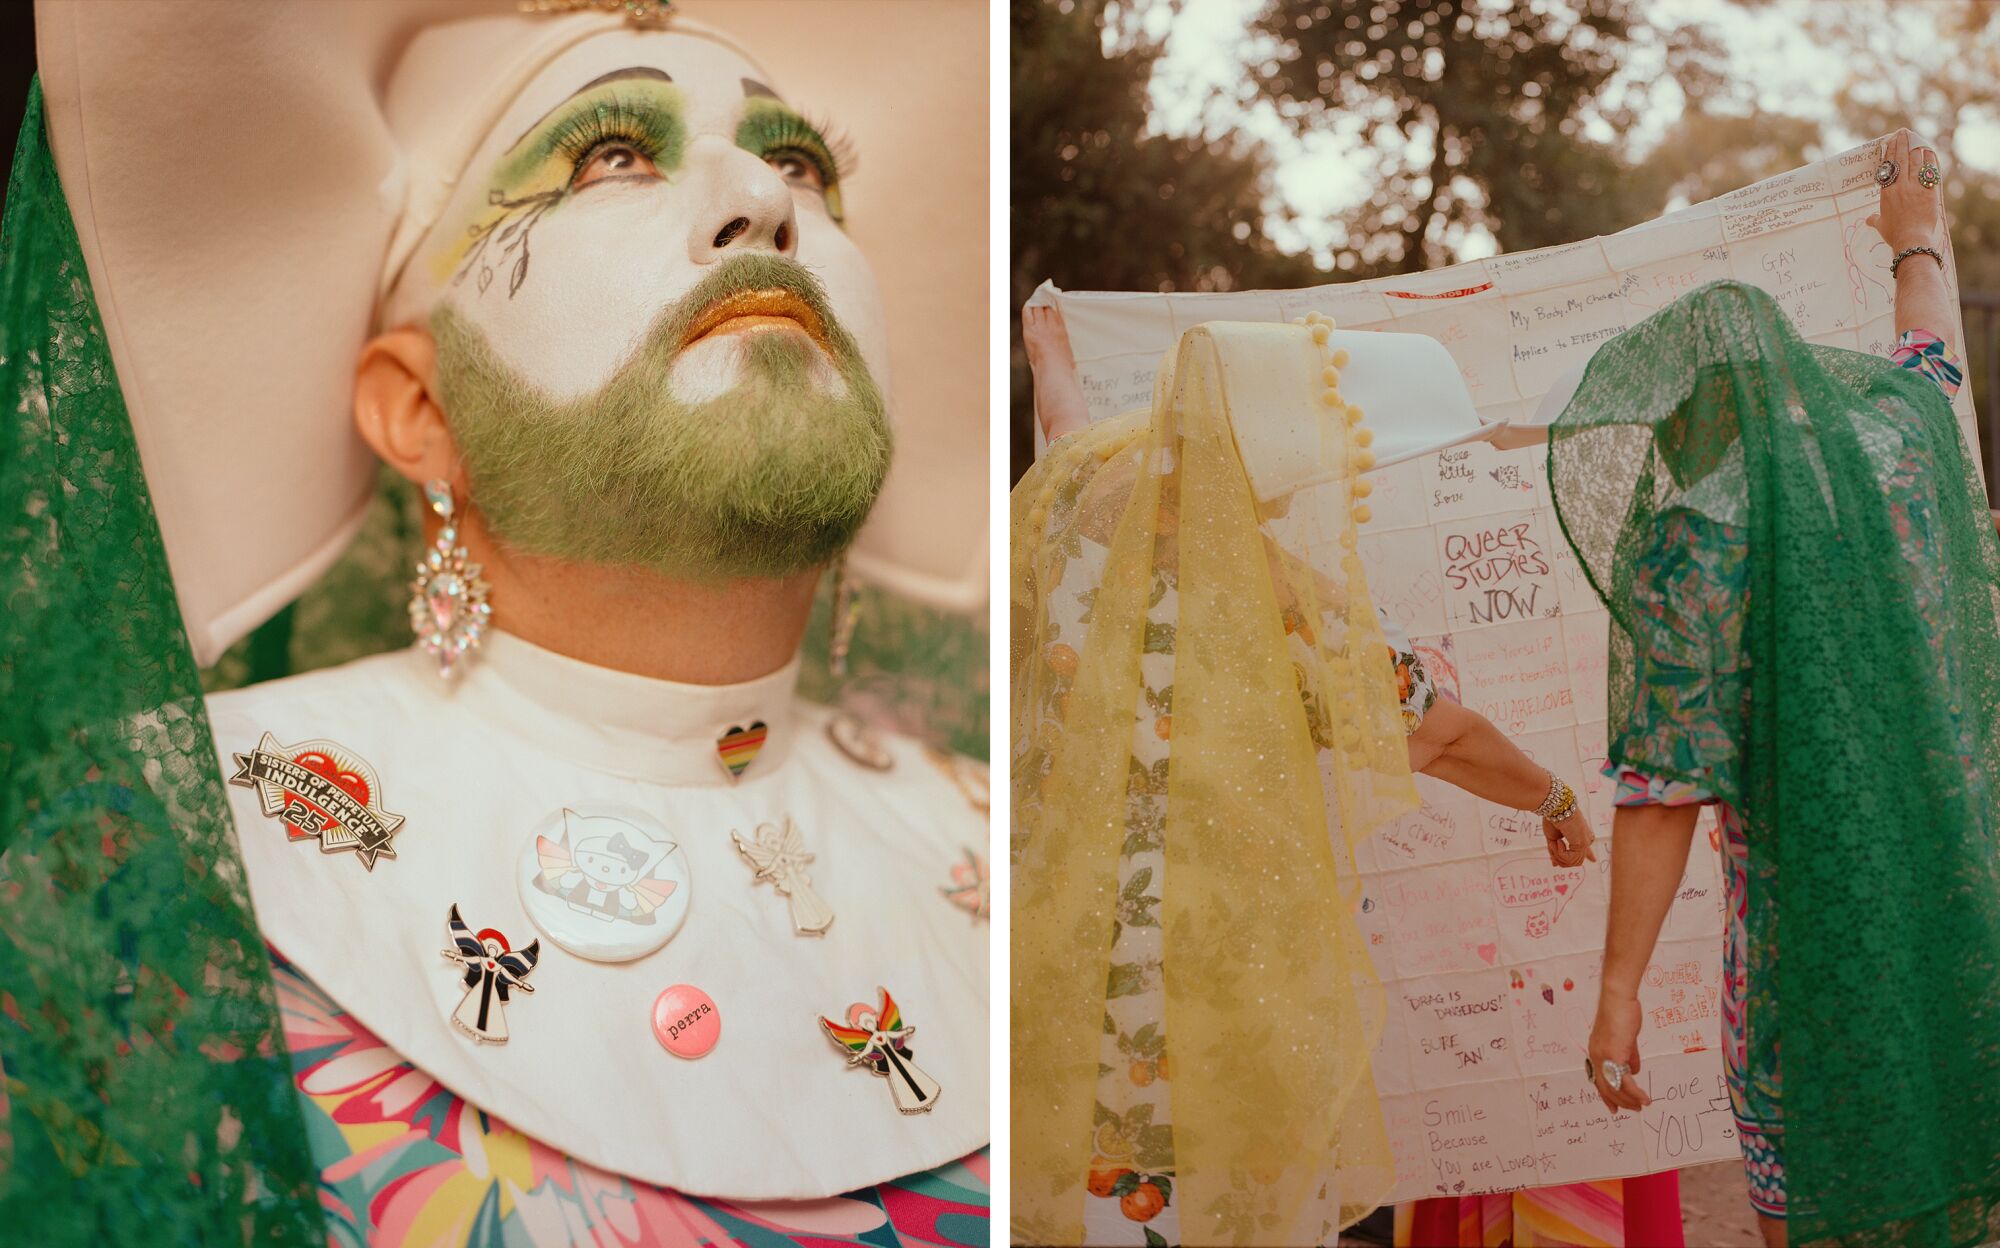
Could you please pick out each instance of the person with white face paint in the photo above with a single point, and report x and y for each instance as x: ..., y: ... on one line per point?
x: 585, y: 280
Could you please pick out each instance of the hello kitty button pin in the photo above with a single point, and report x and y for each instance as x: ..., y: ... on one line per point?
x: 604, y: 882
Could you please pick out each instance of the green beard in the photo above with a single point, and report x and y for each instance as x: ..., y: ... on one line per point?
x: 772, y: 478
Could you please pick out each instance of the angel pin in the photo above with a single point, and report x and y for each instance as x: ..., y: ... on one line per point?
x: 779, y: 856
x: 968, y: 889
x: 877, y: 1039
x: 491, y: 968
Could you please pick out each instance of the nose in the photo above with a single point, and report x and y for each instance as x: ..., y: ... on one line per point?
x: 746, y: 206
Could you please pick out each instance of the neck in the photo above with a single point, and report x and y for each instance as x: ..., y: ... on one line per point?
x: 633, y: 620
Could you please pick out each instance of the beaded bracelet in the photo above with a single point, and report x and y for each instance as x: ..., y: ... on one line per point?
x: 1907, y: 252
x: 1560, y: 802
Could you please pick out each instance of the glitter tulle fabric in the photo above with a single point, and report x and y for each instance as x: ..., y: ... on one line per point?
x: 1858, y: 734
x: 146, y: 1096
x: 1146, y: 586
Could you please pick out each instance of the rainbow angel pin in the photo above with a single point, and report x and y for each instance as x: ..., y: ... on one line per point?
x: 877, y: 1039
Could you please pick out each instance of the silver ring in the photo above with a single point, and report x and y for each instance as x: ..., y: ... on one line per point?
x: 1885, y: 173
x: 1929, y: 176
x: 1614, y: 1075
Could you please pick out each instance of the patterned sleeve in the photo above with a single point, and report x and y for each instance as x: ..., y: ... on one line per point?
x: 1636, y: 788
x: 1413, y: 681
x: 1922, y: 351
x: 1678, y: 743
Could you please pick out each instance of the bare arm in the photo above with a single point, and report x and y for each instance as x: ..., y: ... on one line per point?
x: 1059, y: 403
x: 1912, y: 215
x: 1649, y: 853
x: 1463, y: 748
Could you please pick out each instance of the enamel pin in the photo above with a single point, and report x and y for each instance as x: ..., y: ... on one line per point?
x: 859, y: 742
x: 877, y: 1039
x: 606, y: 883
x: 737, y: 747
x: 779, y: 857
x: 968, y: 889
x: 492, y: 970
x: 320, y: 790
x: 968, y: 777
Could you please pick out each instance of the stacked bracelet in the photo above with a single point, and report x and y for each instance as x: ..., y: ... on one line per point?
x: 1560, y: 802
x: 1907, y: 252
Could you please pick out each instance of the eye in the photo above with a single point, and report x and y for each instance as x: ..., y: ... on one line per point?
x: 613, y: 160
x: 798, y: 169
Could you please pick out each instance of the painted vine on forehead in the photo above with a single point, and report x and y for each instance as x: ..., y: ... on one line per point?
x: 539, y: 171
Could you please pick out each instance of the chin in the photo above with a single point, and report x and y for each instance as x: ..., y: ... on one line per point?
x: 720, y: 363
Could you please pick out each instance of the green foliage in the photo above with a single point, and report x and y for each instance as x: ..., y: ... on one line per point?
x: 1520, y: 122
x: 1103, y: 202
x: 1474, y: 116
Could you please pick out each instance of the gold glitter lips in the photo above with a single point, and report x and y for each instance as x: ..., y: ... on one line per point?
x: 756, y: 310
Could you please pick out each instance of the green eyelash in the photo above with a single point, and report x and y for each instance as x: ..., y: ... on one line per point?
x: 770, y: 129
x: 654, y: 133
x: 648, y: 118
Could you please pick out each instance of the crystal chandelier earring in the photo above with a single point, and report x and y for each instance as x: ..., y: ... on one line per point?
x: 846, y: 611
x: 448, y: 608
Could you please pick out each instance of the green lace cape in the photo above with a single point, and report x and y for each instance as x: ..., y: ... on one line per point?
x: 147, y: 1095
x: 1868, y: 748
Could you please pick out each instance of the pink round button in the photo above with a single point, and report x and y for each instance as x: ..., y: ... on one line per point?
x: 686, y: 1021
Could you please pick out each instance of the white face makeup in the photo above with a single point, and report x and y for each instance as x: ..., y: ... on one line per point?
x: 629, y: 169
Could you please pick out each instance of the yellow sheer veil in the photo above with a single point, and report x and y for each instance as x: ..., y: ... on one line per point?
x: 1287, y: 747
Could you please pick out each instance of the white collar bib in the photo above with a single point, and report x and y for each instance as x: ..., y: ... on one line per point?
x: 660, y: 731
x: 774, y: 1112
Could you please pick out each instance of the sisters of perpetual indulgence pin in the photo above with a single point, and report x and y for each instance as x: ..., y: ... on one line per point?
x: 875, y: 1037
x: 321, y: 790
x: 605, y: 882
x: 492, y: 970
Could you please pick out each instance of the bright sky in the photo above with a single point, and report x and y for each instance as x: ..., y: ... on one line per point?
x: 1316, y: 177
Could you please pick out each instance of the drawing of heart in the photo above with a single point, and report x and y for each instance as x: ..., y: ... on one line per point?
x: 1488, y: 952
x: 351, y: 782
x: 1561, y: 889
x: 1549, y: 993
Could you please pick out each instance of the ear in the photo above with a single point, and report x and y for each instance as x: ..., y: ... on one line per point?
x: 396, y: 411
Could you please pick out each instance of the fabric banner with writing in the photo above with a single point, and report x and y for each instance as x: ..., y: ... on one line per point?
x: 1490, y: 956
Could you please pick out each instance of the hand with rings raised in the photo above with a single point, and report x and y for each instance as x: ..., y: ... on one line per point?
x: 1912, y: 205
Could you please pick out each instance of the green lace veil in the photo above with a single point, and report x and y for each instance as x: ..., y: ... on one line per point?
x: 147, y: 1096
x: 1866, y: 752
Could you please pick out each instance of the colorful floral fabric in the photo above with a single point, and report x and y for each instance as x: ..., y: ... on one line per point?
x: 1923, y: 351
x: 1131, y: 1184
x: 404, y: 1162
x: 1636, y: 788
x: 1413, y: 681
x: 1691, y: 696
x: 1640, y: 1212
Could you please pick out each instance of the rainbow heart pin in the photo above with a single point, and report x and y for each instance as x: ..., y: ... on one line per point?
x: 738, y: 747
